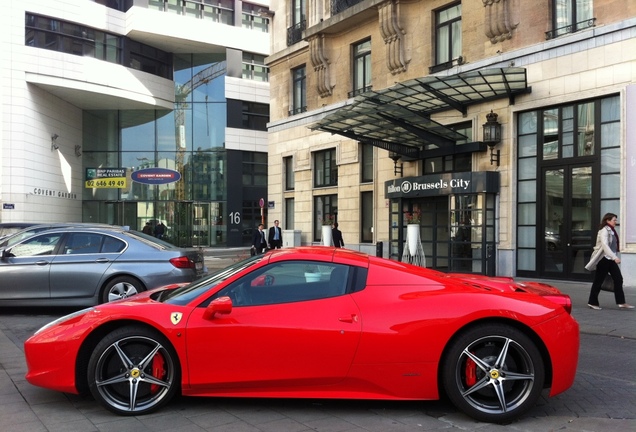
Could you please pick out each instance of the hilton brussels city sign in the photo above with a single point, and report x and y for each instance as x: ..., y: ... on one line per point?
x: 443, y: 184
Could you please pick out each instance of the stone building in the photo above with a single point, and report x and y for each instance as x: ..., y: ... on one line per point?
x: 502, y: 126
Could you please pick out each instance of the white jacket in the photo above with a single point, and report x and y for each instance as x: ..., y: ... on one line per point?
x: 602, y: 248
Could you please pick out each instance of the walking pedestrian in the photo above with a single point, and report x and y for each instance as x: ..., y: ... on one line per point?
x: 605, y: 260
x: 259, y: 242
x: 336, y: 236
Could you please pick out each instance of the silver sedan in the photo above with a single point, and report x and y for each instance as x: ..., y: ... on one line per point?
x: 77, y: 266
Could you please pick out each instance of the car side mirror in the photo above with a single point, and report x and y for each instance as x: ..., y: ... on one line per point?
x: 221, y: 305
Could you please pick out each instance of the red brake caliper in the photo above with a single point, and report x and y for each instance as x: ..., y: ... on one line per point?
x: 158, y: 371
x: 471, y: 372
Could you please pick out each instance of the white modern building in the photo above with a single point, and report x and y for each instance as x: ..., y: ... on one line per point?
x: 129, y: 111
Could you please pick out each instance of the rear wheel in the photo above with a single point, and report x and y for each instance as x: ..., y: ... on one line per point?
x: 121, y: 287
x: 133, y: 370
x: 493, y: 373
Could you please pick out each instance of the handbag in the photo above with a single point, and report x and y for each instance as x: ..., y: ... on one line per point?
x: 608, y: 283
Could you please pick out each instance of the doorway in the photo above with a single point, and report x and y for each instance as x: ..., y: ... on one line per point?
x: 566, y: 227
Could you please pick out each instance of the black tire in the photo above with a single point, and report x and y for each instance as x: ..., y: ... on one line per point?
x: 493, y: 373
x: 133, y: 370
x: 121, y: 287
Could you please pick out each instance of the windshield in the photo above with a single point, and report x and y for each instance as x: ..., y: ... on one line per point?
x: 184, y: 295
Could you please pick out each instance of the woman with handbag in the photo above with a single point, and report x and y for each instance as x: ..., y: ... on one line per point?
x: 605, y: 260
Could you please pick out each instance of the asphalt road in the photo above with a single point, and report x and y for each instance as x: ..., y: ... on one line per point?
x: 603, y: 397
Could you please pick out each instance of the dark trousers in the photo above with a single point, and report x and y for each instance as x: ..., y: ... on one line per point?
x: 604, y: 267
x: 276, y: 244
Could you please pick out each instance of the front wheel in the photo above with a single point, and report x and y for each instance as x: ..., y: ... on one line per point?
x: 133, y: 371
x: 493, y: 373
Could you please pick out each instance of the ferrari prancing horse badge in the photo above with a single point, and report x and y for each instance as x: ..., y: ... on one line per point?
x: 175, y: 317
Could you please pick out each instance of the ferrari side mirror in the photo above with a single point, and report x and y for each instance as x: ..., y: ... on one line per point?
x: 221, y: 305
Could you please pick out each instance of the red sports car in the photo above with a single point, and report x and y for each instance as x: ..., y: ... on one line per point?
x: 318, y: 322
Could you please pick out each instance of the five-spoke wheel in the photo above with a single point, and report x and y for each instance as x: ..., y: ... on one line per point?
x: 121, y: 287
x: 493, y: 373
x: 133, y: 370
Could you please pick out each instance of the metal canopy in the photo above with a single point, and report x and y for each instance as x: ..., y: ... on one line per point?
x: 398, y: 118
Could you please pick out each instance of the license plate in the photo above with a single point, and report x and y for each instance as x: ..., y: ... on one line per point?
x: 198, y: 266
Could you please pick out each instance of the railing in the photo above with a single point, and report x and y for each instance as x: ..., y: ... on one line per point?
x: 298, y: 110
x: 295, y: 33
x: 338, y: 6
x: 358, y: 91
x: 570, y: 28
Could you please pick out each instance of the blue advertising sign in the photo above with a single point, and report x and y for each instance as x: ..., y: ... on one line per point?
x: 155, y: 176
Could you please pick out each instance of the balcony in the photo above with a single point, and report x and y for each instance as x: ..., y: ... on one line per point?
x: 570, y: 28
x: 338, y: 6
x: 295, y: 33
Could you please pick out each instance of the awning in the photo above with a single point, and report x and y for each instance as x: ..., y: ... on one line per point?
x: 398, y: 118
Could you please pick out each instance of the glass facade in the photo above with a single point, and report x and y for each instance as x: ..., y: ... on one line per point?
x: 187, y: 143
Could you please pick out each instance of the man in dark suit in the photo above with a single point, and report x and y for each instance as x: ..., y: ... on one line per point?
x: 336, y: 236
x: 275, y: 236
x: 259, y: 243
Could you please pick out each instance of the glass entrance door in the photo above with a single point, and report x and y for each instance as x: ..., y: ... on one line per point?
x: 567, y: 226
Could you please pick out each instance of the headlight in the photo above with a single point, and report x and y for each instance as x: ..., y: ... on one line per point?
x: 65, y: 318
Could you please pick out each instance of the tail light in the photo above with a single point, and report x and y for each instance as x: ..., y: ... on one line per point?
x: 561, y: 299
x: 182, y: 262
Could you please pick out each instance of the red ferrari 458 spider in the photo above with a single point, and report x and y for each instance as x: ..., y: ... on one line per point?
x: 318, y: 322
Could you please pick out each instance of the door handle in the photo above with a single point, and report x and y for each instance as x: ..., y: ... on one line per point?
x: 350, y: 319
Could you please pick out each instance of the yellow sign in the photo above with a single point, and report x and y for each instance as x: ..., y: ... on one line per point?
x: 113, y: 182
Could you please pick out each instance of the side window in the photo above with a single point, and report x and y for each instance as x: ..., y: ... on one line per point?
x: 82, y: 243
x: 37, y: 245
x: 112, y: 245
x: 287, y: 282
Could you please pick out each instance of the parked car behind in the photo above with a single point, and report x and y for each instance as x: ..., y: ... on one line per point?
x: 78, y: 266
x: 33, y: 228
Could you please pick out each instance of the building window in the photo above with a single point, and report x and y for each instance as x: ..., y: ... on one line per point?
x: 288, y: 166
x: 366, y: 217
x: 254, y: 169
x: 366, y: 163
x: 325, y: 168
x: 569, y: 16
x: 361, y: 68
x: 252, y: 20
x: 63, y: 36
x: 568, y: 176
x: 298, y: 22
x: 299, y: 91
x: 254, y: 67
x: 289, y: 214
x: 457, y: 161
x: 221, y: 11
x: 325, y: 208
x: 448, y: 37
x: 255, y: 116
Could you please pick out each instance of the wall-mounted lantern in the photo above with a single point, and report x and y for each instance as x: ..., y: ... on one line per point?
x: 492, y: 136
x: 396, y: 169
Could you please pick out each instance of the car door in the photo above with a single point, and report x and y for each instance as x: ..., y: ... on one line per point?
x: 287, y: 332
x: 25, y: 267
x: 78, y: 269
